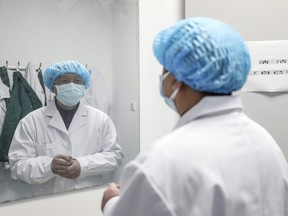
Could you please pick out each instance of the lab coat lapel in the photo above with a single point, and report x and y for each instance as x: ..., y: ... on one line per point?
x: 56, y: 119
x: 79, y: 118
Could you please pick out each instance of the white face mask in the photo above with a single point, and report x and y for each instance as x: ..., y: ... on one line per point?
x: 168, y: 100
x: 70, y: 94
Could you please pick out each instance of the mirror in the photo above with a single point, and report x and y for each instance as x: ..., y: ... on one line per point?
x: 102, y: 34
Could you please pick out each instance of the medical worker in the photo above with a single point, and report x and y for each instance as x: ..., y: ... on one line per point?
x: 217, y: 161
x: 67, y: 144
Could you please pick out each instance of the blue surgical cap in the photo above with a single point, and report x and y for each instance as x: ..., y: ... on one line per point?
x: 60, y: 68
x: 204, y: 53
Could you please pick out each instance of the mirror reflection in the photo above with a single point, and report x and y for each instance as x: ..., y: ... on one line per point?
x: 66, y: 150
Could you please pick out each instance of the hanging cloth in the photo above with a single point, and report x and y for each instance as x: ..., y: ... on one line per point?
x: 97, y: 95
x: 41, y: 80
x: 23, y: 100
x: 5, y: 80
x: 4, y: 96
x: 4, y: 76
x: 31, y: 76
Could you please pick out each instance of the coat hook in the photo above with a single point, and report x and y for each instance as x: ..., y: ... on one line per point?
x: 6, y: 63
x: 40, y: 66
x: 18, y: 66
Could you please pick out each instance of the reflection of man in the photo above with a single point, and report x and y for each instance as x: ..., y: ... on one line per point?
x: 217, y: 161
x: 66, y: 145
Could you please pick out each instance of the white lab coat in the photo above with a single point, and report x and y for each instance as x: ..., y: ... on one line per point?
x: 216, y: 162
x: 39, y: 136
x: 97, y: 95
x: 31, y: 76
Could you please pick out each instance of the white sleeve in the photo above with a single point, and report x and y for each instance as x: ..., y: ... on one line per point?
x: 139, y: 195
x: 25, y: 164
x: 108, y: 208
x: 108, y: 159
x: 31, y: 76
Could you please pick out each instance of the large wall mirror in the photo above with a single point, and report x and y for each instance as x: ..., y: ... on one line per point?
x: 101, y: 34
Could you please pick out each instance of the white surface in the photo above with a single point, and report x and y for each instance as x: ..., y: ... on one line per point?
x: 85, y: 202
x: 156, y: 118
x: 255, y: 20
x: 269, y: 71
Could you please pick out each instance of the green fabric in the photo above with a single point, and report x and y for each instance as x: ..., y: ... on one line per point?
x: 5, y: 79
x: 23, y: 100
x: 4, y: 76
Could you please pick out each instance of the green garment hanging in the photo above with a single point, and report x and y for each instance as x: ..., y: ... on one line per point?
x: 23, y: 100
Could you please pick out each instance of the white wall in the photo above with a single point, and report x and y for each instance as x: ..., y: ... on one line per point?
x: 255, y: 20
x: 56, y: 30
x: 125, y: 69
x: 156, y: 118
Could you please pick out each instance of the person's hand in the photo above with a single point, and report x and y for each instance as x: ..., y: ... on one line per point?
x: 112, y: 191
x: 60, y: 163
x: 73, y: 171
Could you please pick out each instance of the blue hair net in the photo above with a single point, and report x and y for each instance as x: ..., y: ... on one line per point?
x: 204, y: 53
x: 60, y: 68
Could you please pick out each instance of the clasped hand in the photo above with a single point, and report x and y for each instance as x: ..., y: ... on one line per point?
x: 65, y: 166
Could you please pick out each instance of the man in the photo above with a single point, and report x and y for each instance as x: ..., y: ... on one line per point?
x: 66, y: 145
x: 217, y: 161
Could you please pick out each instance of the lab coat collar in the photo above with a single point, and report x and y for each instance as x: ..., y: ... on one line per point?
x: 57, y: 121
x: 79, y: 118
x: 210, y: 105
